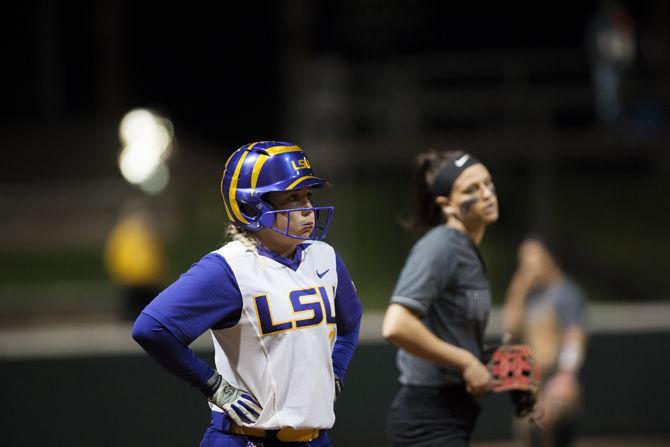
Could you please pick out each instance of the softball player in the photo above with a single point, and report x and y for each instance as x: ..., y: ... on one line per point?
x: 440, y: 305
x: 281, y: 307
x: 545, y: 309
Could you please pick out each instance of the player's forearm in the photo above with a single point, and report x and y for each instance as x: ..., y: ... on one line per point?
x: 343, y: 351
x: 171, y: 353
x: 512, y: 317
x: 512, y: 312
x: 404, y: 330
x: 521, y: 284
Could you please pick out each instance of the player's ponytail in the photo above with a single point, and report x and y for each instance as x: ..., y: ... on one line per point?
x: 428, y: 213
x: 246, y: 237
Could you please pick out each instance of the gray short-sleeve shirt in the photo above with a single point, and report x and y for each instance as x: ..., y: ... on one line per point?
x: 564, y: 297
x: 444, y: 281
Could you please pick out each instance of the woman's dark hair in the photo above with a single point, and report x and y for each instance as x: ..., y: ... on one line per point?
x: 427, y: 213
x: 549, y: 244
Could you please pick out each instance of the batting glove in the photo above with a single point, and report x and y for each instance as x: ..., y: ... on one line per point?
x: 339, y: 386
x: 239, y: 405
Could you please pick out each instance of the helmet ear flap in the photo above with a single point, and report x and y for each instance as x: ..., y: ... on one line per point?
x: 247, y: 210
x: 266, y: 219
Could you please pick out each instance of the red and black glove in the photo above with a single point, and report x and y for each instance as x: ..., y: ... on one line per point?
x: 512, y: 369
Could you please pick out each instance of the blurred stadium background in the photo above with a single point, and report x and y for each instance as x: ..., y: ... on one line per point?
x: 573, y: 126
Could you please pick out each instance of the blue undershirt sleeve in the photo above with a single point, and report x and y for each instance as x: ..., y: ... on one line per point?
x: 343, y: 351
x: 169, y: 352
x: 206, y: 297
x: 348, y: 314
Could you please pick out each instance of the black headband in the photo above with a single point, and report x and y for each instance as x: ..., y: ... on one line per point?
x: 448, y: 175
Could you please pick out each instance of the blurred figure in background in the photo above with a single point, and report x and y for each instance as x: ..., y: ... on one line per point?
x: 611, y: 46
x: 135, y: 257
x: 545, y: 309
x: 440, y: 305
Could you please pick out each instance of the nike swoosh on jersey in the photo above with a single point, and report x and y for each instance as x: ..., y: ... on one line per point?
x: 320, y: 275
x: 461, y: 161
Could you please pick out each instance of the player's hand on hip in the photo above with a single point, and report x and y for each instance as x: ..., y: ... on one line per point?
x: 239, y: 405
x: 478, y: 380
x: 339, y: 386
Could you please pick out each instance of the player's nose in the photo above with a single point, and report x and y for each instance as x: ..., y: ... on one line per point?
x: 306, y: 202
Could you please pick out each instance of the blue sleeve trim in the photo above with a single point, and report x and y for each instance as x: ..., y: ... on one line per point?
x: 173, y: 328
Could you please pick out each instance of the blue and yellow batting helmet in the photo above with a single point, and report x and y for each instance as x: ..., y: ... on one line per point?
x: 259, y: 168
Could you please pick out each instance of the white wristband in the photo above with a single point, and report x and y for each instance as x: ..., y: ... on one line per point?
x: 570, y: 357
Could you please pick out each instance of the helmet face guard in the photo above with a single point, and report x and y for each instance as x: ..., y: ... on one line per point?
x: 322, y: 216
x: 269, y: 166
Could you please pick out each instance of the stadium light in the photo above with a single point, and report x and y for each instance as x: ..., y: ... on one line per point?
x: 157, y: 181
x: 146, y: 145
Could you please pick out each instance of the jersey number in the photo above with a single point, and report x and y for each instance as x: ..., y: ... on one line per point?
x: 308, y: 311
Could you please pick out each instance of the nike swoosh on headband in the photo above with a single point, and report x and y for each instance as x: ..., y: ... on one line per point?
x: 461, y: 161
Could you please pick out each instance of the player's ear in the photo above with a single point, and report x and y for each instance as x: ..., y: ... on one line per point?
x: 445, y: 205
